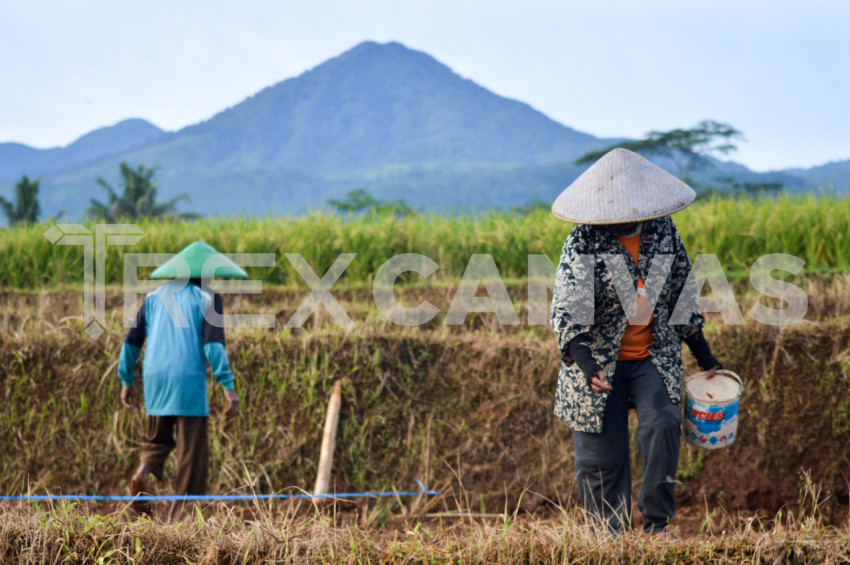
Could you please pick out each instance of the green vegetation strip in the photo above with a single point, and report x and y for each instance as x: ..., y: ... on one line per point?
x: 738, y: 231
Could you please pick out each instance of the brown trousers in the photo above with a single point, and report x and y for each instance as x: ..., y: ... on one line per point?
x: 192, y: 450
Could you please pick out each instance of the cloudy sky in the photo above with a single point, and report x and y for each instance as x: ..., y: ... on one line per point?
x: 779, y: 70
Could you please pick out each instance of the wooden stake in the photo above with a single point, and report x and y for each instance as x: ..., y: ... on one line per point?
x: 428, y: 452
x: 326, y: 457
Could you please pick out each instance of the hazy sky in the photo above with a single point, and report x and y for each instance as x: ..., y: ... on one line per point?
x: 779, y: 70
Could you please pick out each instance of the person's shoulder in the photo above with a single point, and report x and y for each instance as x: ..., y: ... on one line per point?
x: 664, y: 223
x: 664, y: 235
x: 205, y: 296
x: 160, y: 291
x: 184, y: 291
x: 581, y: 238
x: 660, y: 228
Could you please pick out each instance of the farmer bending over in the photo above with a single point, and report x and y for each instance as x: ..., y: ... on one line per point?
x: 182, y: 324
x: 619, y: 346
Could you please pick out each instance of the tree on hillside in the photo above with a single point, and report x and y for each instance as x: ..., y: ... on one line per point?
x: 138, y: 198
x: 689, y: 149
x: 26, y: 209
x: 360, y: 200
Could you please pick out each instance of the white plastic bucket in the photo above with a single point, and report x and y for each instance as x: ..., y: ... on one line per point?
x: 711, y: 409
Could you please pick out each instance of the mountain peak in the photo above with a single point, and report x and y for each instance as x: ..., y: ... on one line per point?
x: 370, y: 47
x: 370, y: 54
x: 370, y: 44
x: 380, y: 105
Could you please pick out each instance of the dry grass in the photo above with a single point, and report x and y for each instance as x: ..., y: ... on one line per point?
x: 69, y: 534
x: 485, y: 389
x: 485, y: 393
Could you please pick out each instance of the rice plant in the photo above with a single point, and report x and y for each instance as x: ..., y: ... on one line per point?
x: 738, y: 231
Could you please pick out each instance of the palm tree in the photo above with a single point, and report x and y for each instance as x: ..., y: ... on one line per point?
x: 25, y: 210
x: 138, y: 199
x: 687, y: 148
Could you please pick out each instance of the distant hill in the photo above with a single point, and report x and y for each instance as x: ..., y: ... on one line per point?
x: 17, y: 159
x: 830, y: 176
x: 380, y: 116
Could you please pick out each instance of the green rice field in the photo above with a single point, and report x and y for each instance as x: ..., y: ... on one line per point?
x: 738, y: 231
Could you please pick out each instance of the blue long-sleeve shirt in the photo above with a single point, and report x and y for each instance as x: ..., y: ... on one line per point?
x: 180, y: 341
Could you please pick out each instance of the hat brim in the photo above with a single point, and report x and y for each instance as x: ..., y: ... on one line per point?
x: 623, y: 221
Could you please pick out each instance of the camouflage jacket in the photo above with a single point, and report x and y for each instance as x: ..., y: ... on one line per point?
x: 586, y: 301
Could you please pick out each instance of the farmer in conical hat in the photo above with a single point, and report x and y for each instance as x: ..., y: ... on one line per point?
x: 625, y: 353
x: 181, y: 321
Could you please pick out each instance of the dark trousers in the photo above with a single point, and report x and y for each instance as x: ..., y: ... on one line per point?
x: 192, y: 450
x: 603, y: 465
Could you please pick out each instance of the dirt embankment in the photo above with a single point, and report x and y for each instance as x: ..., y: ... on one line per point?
x: 468, y: 410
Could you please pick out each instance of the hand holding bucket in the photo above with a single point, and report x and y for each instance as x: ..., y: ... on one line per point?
x: 711, y: 408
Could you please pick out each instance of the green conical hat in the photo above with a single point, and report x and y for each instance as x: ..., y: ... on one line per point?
x: 196, y: 254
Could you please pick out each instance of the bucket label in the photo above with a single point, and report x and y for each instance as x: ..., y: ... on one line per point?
x: 708, y: 419
x: 708, y: 416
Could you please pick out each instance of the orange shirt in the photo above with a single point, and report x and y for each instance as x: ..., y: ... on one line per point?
x: 637, y: 339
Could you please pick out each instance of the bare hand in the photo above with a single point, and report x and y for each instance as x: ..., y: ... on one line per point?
x: 599, y: 383
x: 128, y: 396
x: 712, y: 372
x: 232, y: 403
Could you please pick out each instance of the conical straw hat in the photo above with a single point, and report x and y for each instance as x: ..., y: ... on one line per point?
x: 622, y: 187
x: 196, y: 254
